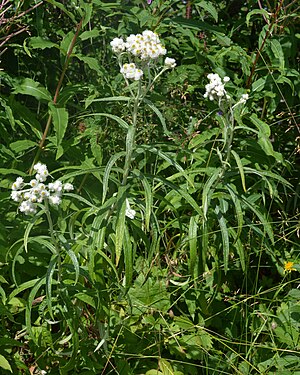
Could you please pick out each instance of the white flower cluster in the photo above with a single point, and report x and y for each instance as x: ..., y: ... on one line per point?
x: 131, y: 71
x: 145, y: 46
x: 129, y: 211
x: 37, y: 191
x: 170, y: 63
x: 215, y: 88
x: 243, y: 99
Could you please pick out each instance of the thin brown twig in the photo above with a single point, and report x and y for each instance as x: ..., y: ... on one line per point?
x: 55, y: 98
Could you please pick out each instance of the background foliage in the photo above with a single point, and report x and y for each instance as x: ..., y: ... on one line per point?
x: 196, y: 283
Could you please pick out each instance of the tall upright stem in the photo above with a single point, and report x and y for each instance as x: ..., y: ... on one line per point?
x: 130, y: 138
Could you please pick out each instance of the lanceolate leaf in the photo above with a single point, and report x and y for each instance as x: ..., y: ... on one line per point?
x: 60, y: 118
x: 30, y: 87
x: 120, y: 227
x: 225, y: 236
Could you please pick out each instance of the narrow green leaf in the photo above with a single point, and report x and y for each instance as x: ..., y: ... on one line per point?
x: 60, y: 118
x: 120, y: 227
x: 159, y: 115
x: 49, y: 279
x: 121, y: 122
x: 19, y: 289
x: 31, y: 297
x: 128, y: 258
x: 89, y: 34
x: 169, y: 159
x: 209, y: 8
x: 91, y: 100
x: 238, y: 208
x: 261, y: 12
x: 107, y: 171
x: 241, y: 168
x: 208, y: 190
x: 225, y: 236
x: 193, y: 233
x: 261, y: 216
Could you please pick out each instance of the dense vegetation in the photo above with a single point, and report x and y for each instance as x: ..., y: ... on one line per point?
x: 160, y: 230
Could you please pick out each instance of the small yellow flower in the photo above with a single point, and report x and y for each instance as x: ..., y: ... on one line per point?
x: 288, y: 267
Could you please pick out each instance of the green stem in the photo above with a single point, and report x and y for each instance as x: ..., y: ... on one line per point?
x: 130, y: 138
x: 53, y: 238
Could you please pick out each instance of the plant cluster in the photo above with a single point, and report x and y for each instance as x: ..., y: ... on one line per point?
x: 178, y: 251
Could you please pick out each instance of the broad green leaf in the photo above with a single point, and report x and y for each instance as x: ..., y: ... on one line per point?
x: 38, y: 42
x: 63, y: 8
x: 89, y: 34
x: 32, y: 88
x: 86, y: 298
x: 23, y: 145
x: 278, y: 53
x: 60, y: 118
x: 208, y: 6
x: 259, y: 84
x: 92, y: 62
x: 165, y: 367
x: 4, y: 363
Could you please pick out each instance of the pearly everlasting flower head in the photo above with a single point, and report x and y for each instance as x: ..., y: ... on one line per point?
x: 215, y: 89
x: 129, y: 211
x: 145, y: 46
x: 244, y: 99
x: 117, y: 45
x: 37, y: 191
x: 131, y: 71
x: 169, y: 62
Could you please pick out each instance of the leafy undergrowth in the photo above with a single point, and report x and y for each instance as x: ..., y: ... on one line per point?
x: 150, y: 187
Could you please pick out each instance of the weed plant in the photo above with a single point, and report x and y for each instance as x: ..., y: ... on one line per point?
x: 150, y: 187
